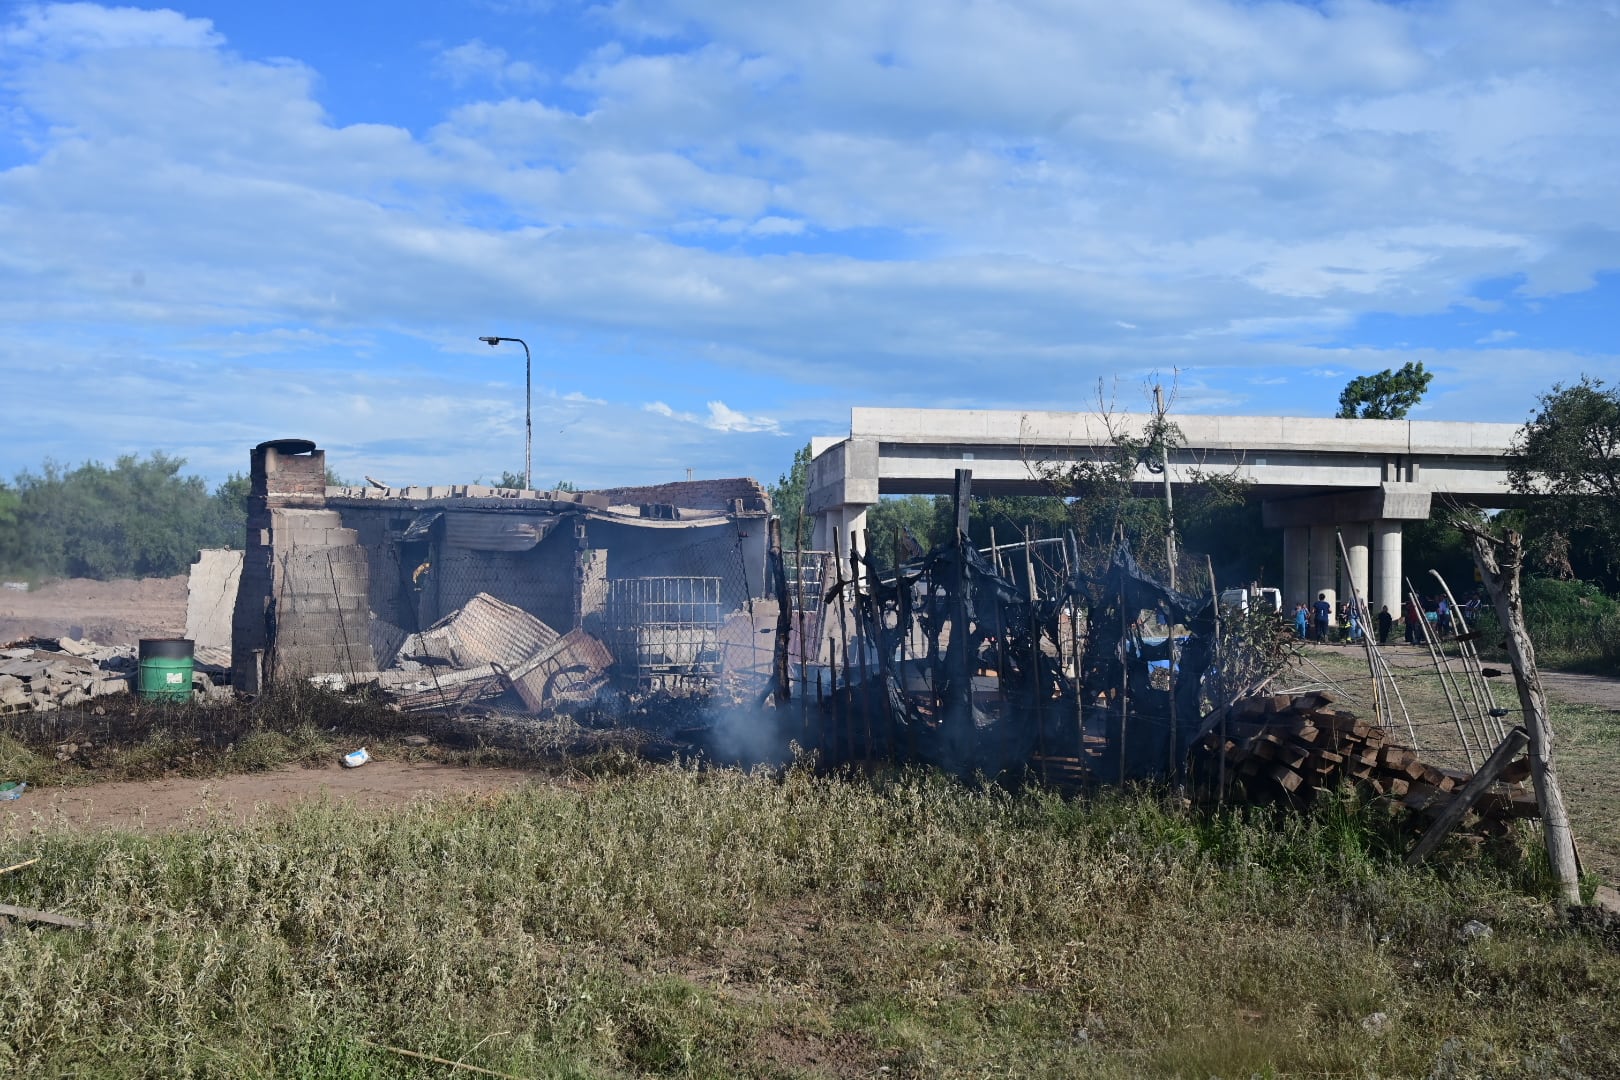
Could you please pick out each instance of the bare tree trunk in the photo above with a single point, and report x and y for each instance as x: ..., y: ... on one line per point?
x: 1501, y: 580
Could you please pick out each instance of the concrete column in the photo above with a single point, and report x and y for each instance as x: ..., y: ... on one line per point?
x: 1296, y: 567
x: 1355, y: 572
x: 1324, y: 562
x: 838, y: 521
x: 1387, y: 585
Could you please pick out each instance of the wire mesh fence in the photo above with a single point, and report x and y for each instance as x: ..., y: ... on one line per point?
x: 665, y: 629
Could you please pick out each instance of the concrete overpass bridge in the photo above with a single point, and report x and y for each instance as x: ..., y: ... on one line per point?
x: 1316, y: 477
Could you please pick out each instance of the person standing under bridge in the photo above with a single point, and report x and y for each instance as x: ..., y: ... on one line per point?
x: 1324, y: 616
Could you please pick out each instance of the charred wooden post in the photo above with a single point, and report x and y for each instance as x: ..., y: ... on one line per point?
x: 781, y: 673
x: 958, y: 718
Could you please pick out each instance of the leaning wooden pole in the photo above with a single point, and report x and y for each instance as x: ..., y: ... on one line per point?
x: 1501, y: 579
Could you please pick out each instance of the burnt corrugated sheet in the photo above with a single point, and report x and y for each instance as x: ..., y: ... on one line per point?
x: 483, y: 631
x: 571, y: 671
x: 496, y: 532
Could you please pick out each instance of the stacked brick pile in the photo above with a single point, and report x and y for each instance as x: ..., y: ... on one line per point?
x: 46, y: 674
x: 1290, y: 747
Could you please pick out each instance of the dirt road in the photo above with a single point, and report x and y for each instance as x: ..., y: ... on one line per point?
x: 164, y: 804
x: 1602, y: 691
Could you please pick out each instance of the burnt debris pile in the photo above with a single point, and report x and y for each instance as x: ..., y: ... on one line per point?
x: 1004, y: 662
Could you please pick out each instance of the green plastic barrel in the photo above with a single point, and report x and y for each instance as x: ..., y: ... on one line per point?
x: 165, y: 669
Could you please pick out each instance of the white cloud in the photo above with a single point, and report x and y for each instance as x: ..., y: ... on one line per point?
x: 1045, y: 192
x: 721, y: 417
x: 60, y: 28
x: 771, y: 225
x: 1496, y: 337
x: 474, y: 61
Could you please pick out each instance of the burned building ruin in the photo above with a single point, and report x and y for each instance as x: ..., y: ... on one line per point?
x: 347, y: 581
x: 996, y: 662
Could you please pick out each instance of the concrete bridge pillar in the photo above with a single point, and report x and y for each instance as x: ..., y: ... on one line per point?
x: 839, y: 521
x: 1354, y: 580
x: 1386, y: 584
x: 1324, y: 561
x: 1296, y: 567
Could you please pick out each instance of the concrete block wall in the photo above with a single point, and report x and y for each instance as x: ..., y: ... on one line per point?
x: 211, y: 597
x: 303, y: 599
x: 540, y: 581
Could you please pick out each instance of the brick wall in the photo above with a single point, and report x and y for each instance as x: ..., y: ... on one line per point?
x: 276, y: 473
x: 696, y: 494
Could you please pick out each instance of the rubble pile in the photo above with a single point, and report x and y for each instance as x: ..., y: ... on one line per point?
x: 483, y: 651
x: 45, y: 674
x: 1290, y: 747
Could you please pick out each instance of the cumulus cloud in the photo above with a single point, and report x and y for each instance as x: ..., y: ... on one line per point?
x: 721, y: 417
x: 474, y: 61
x: 1046, y: 192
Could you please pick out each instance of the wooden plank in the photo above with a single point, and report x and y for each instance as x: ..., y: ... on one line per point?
x: 1419, y: 795
x: 1517, y: 772
x: 1392, y: 756
x: 1286, y: 778
x: 1293, y: 756
x: 48, y: 918
x: 1516, y: 740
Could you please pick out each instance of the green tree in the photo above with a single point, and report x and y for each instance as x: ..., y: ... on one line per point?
x: 916, y: 516
x: 788, y: 494
x: 230, y: 511
x: 137, y: 518
x: 1388, y: 395
x: 1570, y: 450
x: 514, y: 480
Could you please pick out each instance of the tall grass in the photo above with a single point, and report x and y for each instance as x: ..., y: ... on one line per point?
x: 1575, y: 627
x: 676, y: 922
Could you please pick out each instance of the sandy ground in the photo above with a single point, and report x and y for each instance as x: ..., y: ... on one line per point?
x: 106, y: 612
x: 164, y: 804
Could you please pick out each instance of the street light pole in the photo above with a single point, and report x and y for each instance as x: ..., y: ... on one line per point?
x: 528, y: 407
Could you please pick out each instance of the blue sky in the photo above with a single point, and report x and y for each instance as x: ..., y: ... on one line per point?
x: 720, y: 225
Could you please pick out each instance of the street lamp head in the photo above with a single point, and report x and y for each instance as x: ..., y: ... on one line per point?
x: 490, y: 341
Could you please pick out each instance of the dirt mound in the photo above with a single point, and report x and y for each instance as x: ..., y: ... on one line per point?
x: 107, y: 612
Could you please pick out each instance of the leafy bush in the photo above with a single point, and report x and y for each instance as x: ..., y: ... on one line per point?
x: 1573, y: 624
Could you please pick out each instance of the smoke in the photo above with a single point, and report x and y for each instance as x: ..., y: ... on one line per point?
x: 750, y: 736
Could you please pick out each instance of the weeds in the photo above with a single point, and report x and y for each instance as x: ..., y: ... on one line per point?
x: 676, y: 922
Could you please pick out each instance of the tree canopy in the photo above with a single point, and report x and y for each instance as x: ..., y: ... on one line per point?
x: 136, y: 518
x: 1388, y: 395
x: 1570, y: 448
x: 787, y: 495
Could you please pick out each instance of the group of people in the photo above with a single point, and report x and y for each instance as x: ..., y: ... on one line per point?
x: 1315, y: 621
